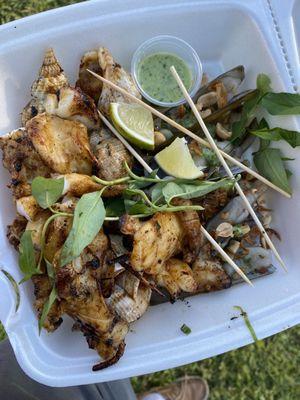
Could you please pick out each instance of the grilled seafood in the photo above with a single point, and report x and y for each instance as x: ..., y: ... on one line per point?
x: 63, y: 145
x: 73, y: 104
x: 209, y: 273
x: 111, y: 156
x: 154, y: 241
x: 176, y: 276
x: 130, y: 259
x: 130, y: 308
x: 80, y: 290
x: 22, y: 160
x: 192, y: 227
x: 15, y: 231
x: 235, y: 211
x: 116, y: 74
x: 89, y: 84
x: 50, y: 80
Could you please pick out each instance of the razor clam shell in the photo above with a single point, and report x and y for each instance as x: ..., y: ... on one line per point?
x: 127, y: 308
x: 236, y: 209
x: 256, y: 263
x: 231, y: 80
x: 235, y: 103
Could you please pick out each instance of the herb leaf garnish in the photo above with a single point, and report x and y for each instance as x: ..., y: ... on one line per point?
x: 15, y: 287
x: 47, y: 306
x: 27, y: 261
x: 170, y: 190
x: 275, y: 134
x: 269, y: 163
x: 185, y: 329
x: 282, y: 103
x: 88, y: 219
x: 47, y: 191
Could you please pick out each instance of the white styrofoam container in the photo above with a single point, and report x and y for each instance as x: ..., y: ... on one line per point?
x: 225, y: 34
x: 286, y: 21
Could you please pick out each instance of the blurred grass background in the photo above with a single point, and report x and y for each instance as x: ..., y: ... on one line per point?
x: 268, y: 372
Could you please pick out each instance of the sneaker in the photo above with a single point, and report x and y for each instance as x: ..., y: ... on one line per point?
x: 187, y: 388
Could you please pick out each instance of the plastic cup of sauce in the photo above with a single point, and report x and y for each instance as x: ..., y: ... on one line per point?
x: 150, y: 68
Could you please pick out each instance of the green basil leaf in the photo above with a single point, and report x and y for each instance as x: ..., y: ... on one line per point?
x: 27, y: 262
x: 269, y: 163
x: 47, y: 191
x: 140, y: 208
x: 210, y: 157
x: 263, y: 83
x: 190, y: 191
x: 248, y: 113
x: 275, y: 134
x: 114, y: 207
x: 289, y: 173
x: 282, y: 103
x: 156, y: 192
x: 47, y: 306
x: 88, y: 219
x: 50, y: 270
x: 15, y: 287
x: 263, y: 144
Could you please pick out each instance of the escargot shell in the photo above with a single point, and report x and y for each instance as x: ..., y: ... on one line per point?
x: 127, y: 308
x: 51, y: 77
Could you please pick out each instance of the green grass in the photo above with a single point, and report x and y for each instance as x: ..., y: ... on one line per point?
x: 13, y: 9
x: 270, y: 372
x: 267, y: 372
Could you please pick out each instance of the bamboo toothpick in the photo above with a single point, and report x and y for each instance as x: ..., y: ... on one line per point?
x: 149, y: 169
x: 189, y: 133
x: 226, y: 167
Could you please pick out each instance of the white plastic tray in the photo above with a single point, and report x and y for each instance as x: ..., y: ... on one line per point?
x: 225, y: 34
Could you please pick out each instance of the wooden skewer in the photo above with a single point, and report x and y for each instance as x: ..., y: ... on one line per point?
x: 226, y: 167
x: 189, y: 133
x: 149, y: 169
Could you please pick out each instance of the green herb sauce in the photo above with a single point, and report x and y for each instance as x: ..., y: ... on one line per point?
x: 156, y: 79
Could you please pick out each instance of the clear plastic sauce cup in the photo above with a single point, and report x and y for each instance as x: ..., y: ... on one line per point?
x: 174, y: 46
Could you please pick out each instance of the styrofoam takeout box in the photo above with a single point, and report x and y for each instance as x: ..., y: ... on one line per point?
x: 225, y: 34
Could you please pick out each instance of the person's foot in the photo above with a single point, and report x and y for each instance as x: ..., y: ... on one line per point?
x: 187, y: 388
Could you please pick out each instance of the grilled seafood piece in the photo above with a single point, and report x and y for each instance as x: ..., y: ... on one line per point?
x: 88, y: 83
x: 209, y: 273
x: 110, y: 156
x: 116, y: 74
x: 42, y: 290
x: 36, y: 227
x: 63, y: 145
x: 176, y: 276
x: 154, y: 241
x: 22, y: 160
x: 77, y: 284
x: 193, y: 237
x: 15, y: 231
x: 27, y: 207
x: 51, y: 79
x: 212, y: 203
x: 73, y: 104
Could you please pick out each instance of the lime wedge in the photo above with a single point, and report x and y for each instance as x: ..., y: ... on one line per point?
x: 134, y: 123
x: 176, y: 160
